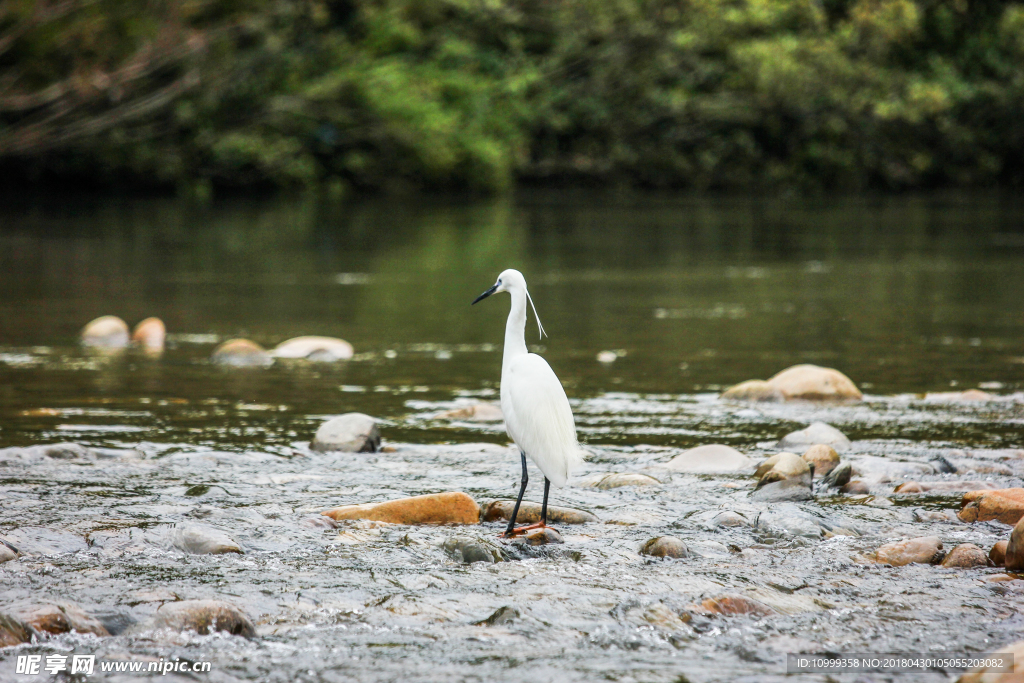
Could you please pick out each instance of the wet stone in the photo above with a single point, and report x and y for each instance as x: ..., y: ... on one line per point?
x: 351, y: 432
x: 202, y: 616
x: 1004, y: 505
x: 241, y: 353
x: 789, y: 520
x: 856, y: 488
x: 998, y: 554
x: 613, y: 481
x: 808, y: 382
x: 943, y: 486
x: 318, y: 349
x: 501, y: 616
x: 43, y: 541
x: 983, y: 675
x: 709, y: 459
x: 787, y: 489
x: 966, y: 555
x: 529, y: 513
x: 543, y: 536
x: 149, y: 335
x: 734, y: 605
x: 13, y: 631
x: 8, y: 552
x: 838, y: 477
x: 816, y: 433
x: 58, y: 618
x: 665, y: 546
x: 922, y: 550
x: 480, y: 412
x: 1015, y: 547
x: 467, y: 549
x: 728, y: 519
x: 968, y: 396
x: 781, y: 467
x: 753, y: 390
x: 452, y: 507
x: 107, y: 333
x: 199, y: 539
x: 823, y: 457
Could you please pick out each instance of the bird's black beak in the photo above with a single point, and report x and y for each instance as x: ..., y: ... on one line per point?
x: 486, y: 294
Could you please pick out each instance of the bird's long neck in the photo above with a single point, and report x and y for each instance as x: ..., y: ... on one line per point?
x: 515, y: 328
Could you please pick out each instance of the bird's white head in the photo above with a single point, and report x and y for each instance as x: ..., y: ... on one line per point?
x: 511, y: 281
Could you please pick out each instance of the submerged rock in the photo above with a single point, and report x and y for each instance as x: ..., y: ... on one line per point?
x: 66, y: 451
x: 542, y: 536
x: 712, y: 458
x: 966, y: 555
x: 823, y: 457
x: 665, y: 546
x: 788, y: 520
x: 453, y: 507
x: 149, y: 335
x: 501, y: 616
x: 856, y: 488
x: 614, y: 481
x: 479, y: 412
x: 816, y: 433
x: 529, y: 513
x: 998, y: 554
x: 351, y: 432
x: 923, y: 550
x: 7, y: 552
x: 786, y: 489
x: 1016, y: 675
x: 943, y: 486
x: 1004, y: 505
x: 322, y: 349
x: 61, y: 617
x: 107, y: 333
x: 728, y: 518
x: 838, y: 477
x: 799, y: 382
x: 34, y: 540
x: 969, y: 396
x: 13, y: 631
x: 202, y: 616
x: 241, y: 353
x: 730, y: 604
x: 468, y: 550
x: 199, y: 539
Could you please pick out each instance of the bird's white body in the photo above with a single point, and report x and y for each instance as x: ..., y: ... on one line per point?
x: 537, y: 412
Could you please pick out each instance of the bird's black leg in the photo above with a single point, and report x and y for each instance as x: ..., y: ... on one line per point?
x: 522, y: 489
x: 544, y: 507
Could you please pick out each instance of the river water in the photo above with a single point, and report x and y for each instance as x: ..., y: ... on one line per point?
x: 906, y: 295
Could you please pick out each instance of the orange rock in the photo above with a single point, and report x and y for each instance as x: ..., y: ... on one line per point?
x: 241, y: 353
x: 823, y: 457
x: 13, y: 631
x: 985, y: 676
x: 729, y: 604
x: 452, y: 507
x: 150, y: 334
x: 923, y: 550
x: 1000, y: 578
x: 925, y: 486
x: 1015, y: 547
x: 59, y: 618
x: 998, y: 553
x: 1004, y: 505
x: 753, y: 390
x: 966, y: 555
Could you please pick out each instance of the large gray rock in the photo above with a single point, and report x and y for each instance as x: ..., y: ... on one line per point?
x: 351, y: 432
x: 816, y: 433
x: 199, y: 539
x: 786, y: 489
x: 712, y: 458
x: 108, y: 333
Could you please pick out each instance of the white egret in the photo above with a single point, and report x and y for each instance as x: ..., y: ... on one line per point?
x: 537, y: 413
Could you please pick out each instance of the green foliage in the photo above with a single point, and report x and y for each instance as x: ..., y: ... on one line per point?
x: 478, y: 94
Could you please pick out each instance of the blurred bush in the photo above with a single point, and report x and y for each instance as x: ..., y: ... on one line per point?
x: 479, y: 94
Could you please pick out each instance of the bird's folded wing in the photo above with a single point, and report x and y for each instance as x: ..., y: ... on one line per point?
x: 540, y: 420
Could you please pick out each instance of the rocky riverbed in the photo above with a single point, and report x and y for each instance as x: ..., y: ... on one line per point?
x: 121, y: 530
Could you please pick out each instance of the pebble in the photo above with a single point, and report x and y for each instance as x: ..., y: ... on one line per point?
x: 480, y: 412
x: 964, y: 556
x: 816, y: 433
x: 799, y: 382
x: 13, y: 631
x: 321, y: 349
x: 351, y: 432
x: 241, y: 353
x: 149, y: 335
x: 998, y: 553
x: 58, y: 618
x: 202, y: 616
x: 614, y: 481
x: 468, y: 550
x: 982, y: 675
x: 823, y: 457
x: 922, y: 550
x: 529, y: 513
x: 664, y: 546
x: 1015, y: 548
x: 108, y: 333
x: 199, y: 539
x: 943, y: 486
x: 712, y: 458
x: 452, y: 507
x: 838, y: 477
x: 1004, y: 505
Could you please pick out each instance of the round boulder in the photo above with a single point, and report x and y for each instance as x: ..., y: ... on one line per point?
x: 351, y: 432
x: 753, y: 390
x: 998, y: 553
x: 202, y: 616
x: 1015, y: 547
x: 923, y: 550
x: 108, y: 333
x: 149, y: 335
x: 664, y: 546
x: 966, y: 555
x: 814, y: 383
x: 241, y: 353
x: 816, y: 433
x: 823, y: 457
x: 323, y: 349
x: 709, y: 459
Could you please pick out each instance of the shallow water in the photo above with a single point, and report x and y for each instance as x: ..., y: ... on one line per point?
x: 905, y: 295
